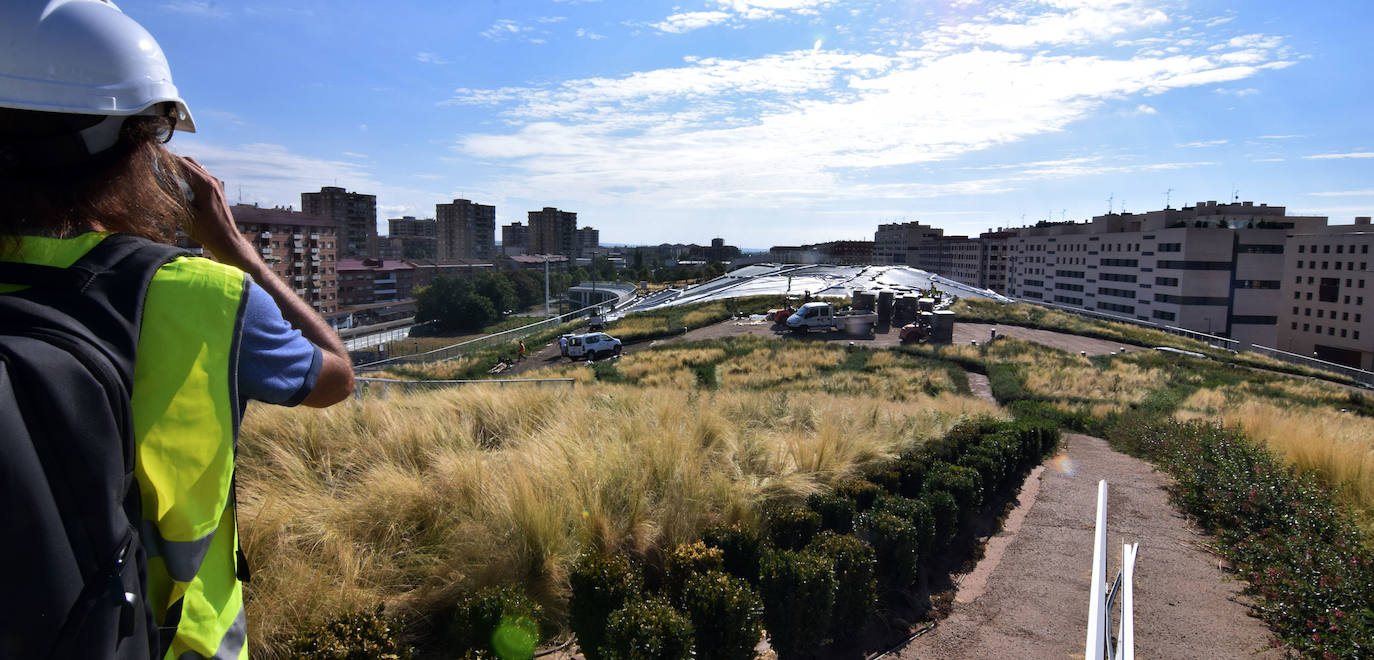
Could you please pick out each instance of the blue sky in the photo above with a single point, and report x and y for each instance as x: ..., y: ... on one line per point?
x: 780, y: 121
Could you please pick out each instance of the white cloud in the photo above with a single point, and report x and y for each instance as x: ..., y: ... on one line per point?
x: 1142, y: 109
x: 505, y: 29
x: 1201, y: 144
x: 765, y: 9
x: 1345, y: 193
x: 197, y: 8
x: 429, y: 57
x: 1357, y: 154
x: 355, y: 155
x: 1248, y: 91
x: 552, y: 19
x: 1279, y: 137
x: 272, y: 175
x: 588, y: 34
x: 692, y: 20
x: 1059, y: 22
x: 806, y: 123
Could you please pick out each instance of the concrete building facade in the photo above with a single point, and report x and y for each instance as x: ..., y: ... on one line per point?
x: 515, y: 239
x: 552, y: 231
x: 1213, y: 268
x: 465, y: 230
x: 588, y: 240
x: 1327, y: 295
x: 898, y: 243
x: 355, y: 213
x: 300, y: 248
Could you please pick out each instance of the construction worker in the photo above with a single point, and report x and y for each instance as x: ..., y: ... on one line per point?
x: 86, y: 103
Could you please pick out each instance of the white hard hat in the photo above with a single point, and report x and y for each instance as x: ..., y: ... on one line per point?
x: 84, y: 57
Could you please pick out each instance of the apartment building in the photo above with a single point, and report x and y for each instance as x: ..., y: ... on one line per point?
x: 1214, y: 268
x: 366, y: 282
x: 300, y: 248
x: 515, y: 239
x: 465, y: 230
x: 552, y: 231
x: 898, y: 243
x: 355, y: 213
x: 1327, y: 294
x: 588, y: 240
x: 409, y: 237
x: 832, y: 252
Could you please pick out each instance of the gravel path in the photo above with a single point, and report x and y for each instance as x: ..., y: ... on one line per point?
x: 1028, y: 597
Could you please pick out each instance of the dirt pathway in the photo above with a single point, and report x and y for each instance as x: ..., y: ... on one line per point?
x: 1028, y: 597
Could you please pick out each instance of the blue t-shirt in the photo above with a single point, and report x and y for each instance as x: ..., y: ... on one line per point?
x: 276, y: 364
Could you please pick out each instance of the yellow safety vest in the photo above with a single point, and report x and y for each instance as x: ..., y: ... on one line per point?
x: 185, y: 414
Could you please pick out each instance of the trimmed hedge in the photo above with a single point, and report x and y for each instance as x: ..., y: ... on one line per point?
x: 601, y: 584
x: 687, y: 560
x: 727, y: 616
x: 496, y: 622
x: 361, y: 635
x: 647, y: 630
x: 836, y: 511
x: 790, y: 527
x: 742, y: 547
x: 855, y: 580
x: 798, y: 598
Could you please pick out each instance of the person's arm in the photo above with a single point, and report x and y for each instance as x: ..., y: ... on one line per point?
x: 213, y: 227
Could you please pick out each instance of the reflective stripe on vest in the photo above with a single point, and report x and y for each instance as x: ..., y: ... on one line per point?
x: 185, y: 414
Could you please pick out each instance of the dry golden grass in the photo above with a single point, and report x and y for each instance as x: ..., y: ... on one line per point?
x: 1122, y: 382
x: 410, y: 499
x: 642, y: 364
x: 766, y: 367
x: 1337, y: 447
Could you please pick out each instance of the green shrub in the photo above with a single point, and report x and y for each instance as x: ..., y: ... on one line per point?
x: 861, y: 491
x: 895, y: 542
x: 499, y: 622
x: 836, y: 511
x: 798, y: 598
x: 687, y: 560
x: 1304, y: 557
x: 1007, y: 383
x: 600, y: 584
x: 742, y: 547
x: 913, y: 511
x: 944, y: 511
x: 790, y: 527
x: 961, y: 482
x: 647, y: 630
x: 1078, y: 420
x: 727, y: 616
x: 855, y: 579
x: 362, y: 635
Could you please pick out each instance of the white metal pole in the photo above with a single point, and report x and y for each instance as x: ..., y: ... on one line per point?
x: 1096, y: 644
x: 546, y: 286
x: 1125, y: 640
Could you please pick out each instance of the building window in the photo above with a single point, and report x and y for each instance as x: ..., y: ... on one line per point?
x: 1305, y: 327
x: 1319, y: 313
x: 1309, y: 279
x: 1300, y: 250
x: 1342, y: 333
x: 1357, y: 318
x: 1355, y: 334
x: 1306, y: 312
x: 1340, y: 249
x: 1329, y: 290
x: 1331, y: 331
x: 1295, y: 325
x: 1163, y: 315
x: 1295, y: 311
x: 1326, y: 249
x: 1297, y: 295
x: 1319, y: 329
x: 1166, y: 281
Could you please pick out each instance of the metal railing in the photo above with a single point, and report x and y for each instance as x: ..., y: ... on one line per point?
x: 1225, y: 343
x: 506, y: 336
x: 381, y: 387
x: 1358, y: 375
x: 1098, y: 645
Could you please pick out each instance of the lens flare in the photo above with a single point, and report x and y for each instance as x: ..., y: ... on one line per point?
x: 1065, y: 464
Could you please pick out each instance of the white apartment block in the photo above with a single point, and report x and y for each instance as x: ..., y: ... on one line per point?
x: 898, y: 243
x: 1328, y: 295
x: 1214, y: 268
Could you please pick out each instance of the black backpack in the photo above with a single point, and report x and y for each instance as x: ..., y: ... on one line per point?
x: 75, y: 569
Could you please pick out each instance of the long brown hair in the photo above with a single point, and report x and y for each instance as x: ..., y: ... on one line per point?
x: 130, y: 188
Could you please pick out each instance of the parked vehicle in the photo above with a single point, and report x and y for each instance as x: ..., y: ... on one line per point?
x: 596, y: 321
x: 822, y: 316
x: 592, y: 346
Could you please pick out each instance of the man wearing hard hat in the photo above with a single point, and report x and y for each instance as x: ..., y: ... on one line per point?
x: 145, y: 562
